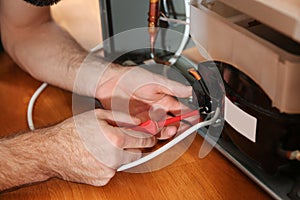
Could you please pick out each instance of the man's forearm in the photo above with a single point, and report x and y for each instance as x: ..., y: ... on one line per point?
x: 47, y: 52
x: 51, y: 55
x: 23, y: 160
x: 40, y: 46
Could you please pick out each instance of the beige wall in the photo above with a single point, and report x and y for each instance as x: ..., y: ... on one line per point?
x: 81, y: 18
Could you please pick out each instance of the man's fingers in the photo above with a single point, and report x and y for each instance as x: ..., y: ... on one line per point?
x: 117, y: 118
x: 174, y: 88
x: 167, y: 132
x: 138, y: 142
x: 124, y: 138
x: 169, y: 103
x: 130, y: 156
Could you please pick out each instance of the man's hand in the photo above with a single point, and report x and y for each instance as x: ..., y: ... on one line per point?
x: 140, y: 93
x: 86, y: 149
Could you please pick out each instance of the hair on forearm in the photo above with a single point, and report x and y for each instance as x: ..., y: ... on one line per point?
x: 23, y: 160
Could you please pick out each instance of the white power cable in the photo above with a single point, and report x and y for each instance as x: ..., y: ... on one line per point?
x: 31, y: 104
x: 186, y: 33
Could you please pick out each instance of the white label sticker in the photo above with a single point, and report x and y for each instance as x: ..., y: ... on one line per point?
x: 241, y: 121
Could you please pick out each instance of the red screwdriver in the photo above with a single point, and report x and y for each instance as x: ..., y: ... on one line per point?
x: 153, y: 127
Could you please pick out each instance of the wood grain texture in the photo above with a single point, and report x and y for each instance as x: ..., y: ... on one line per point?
x: 189, y: 177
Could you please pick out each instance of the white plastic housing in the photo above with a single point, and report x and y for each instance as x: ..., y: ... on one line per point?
x: 219, y: 31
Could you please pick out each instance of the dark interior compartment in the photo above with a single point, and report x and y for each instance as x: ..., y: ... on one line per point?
x: 274, y: 129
